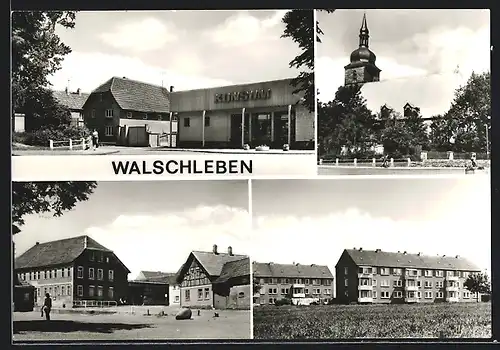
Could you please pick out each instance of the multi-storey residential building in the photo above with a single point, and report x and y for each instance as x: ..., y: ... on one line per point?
x: 303, y: 284
x: 74, y: 271
x: 207, y: 279
x: 374, y: 276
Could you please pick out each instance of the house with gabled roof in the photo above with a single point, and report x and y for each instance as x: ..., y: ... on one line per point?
x: 303, y: 284
x: 125, y: 111
x: 375, y: 276
x: 76, y: 271
x: 209, y: 280
x: 74, y: 101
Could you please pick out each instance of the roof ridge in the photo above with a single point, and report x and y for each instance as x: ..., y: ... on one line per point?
x: 139, y: 81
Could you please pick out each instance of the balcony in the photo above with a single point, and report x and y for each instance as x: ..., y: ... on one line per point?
x: 411, y: 300
x: 452, y: 288
x: 365, y: 287
x: 452, y: 299
x: 452, y: 278
x: 365, y: 275
x: 365, y: 300
x: 298, y: 285
x: 298, y: 295
x: 413, y: 288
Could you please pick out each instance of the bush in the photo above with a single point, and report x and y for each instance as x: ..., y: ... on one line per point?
x: 284, y: 301
x: 20, y: 137
x: 42, y: 136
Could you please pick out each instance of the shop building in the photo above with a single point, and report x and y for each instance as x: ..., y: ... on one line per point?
x: 374, y: 276
x: 199, y: 281
x: 303, y: 284
x: 264, y: 113
x: 75, y: 271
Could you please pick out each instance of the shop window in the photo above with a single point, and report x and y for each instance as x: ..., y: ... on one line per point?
x: 187, y: 122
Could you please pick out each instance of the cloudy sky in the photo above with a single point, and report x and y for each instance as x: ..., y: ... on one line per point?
x: 418, y: 52
x: 312, y: 221
x: 186, y: 49
x: 152, y: 225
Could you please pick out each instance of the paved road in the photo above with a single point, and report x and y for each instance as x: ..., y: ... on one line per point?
x: 230, y: 325
x: 108, y: 150
x: 352, y: 170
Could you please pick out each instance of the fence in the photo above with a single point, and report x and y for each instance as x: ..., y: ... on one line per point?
x: 94, y: 303
x: 70, y: 144
x: 366, y: 162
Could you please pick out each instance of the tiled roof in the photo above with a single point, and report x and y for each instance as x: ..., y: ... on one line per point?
x: 63, y: 251
x: 213, y: 263
x: 137, y: 96
x: 72, y: 100
x: 159, y: 277
x: 379, y: 258
x: 290, y: 270
x: 236, y: 268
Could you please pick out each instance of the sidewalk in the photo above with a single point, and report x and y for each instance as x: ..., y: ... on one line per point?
x: 48, y: 152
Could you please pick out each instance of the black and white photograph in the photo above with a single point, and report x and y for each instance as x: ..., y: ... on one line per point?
x: 163, y: 82
x: 395, y: 258
x: 131, y: 260
x: 403, y: 91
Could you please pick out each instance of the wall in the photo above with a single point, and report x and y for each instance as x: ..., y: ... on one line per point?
x: 304, y: 124
x: 264, y: 294
x: 100, y: 121
x: 204, y: 99
x: 154, y: 126
x: 193, y: 301
x: 57, y: 286
x: 352, y: 277
x: 119, y: 283
x: 237, y: 301
x: 19, y: 122
x: 174, y: 295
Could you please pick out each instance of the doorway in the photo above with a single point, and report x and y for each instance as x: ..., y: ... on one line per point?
x: 261, y: 129
x: 235, y: 140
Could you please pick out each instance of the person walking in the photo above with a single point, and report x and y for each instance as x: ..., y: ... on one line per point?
x: 47, y: 306
x: 95, y: 139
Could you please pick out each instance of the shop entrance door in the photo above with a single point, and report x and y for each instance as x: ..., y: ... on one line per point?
x: 261, y: 129
x: 280, y: 129
x: 235, y: 140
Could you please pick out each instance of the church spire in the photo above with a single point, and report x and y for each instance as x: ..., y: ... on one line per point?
x: 364, y: 33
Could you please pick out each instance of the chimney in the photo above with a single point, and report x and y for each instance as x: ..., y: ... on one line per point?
x: 124, y: 77
x: 230, y: 250
x: 458, y: 256
x: 214, y: 250
x: 404, y: 252
x: 66, y: 90
x: 85, y: 242
x: 79, y: 92
x: 377, y: 251
x: 354, y: 248
x: 171, y: 88
x: 419, y: 253
x: 37, y: 243
x: 360, y: 249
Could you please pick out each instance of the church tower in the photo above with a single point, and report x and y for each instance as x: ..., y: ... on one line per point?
x: 362, y: 68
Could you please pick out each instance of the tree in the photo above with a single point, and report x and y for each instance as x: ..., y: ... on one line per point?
x: 37, y: 52
x: 469, y: 113
x: 44, y: 197
x: 478, y: 283
x: 396, y: 138
x: 345, y: 122
x: 417, y: 129
x: 299, y: 26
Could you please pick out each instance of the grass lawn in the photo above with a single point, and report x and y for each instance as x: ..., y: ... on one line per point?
x: 230, y: 325
x: 464, y: 320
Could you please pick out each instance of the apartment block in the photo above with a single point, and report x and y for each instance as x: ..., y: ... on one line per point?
x: 303, y: 284
x: 367, y: 276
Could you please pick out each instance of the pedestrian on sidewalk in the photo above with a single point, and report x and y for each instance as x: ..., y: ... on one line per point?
x: 95, y: 139
x: 47, y: 306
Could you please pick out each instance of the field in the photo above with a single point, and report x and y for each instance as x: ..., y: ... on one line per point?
x: 230, y: 324
x: 471, y: 320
